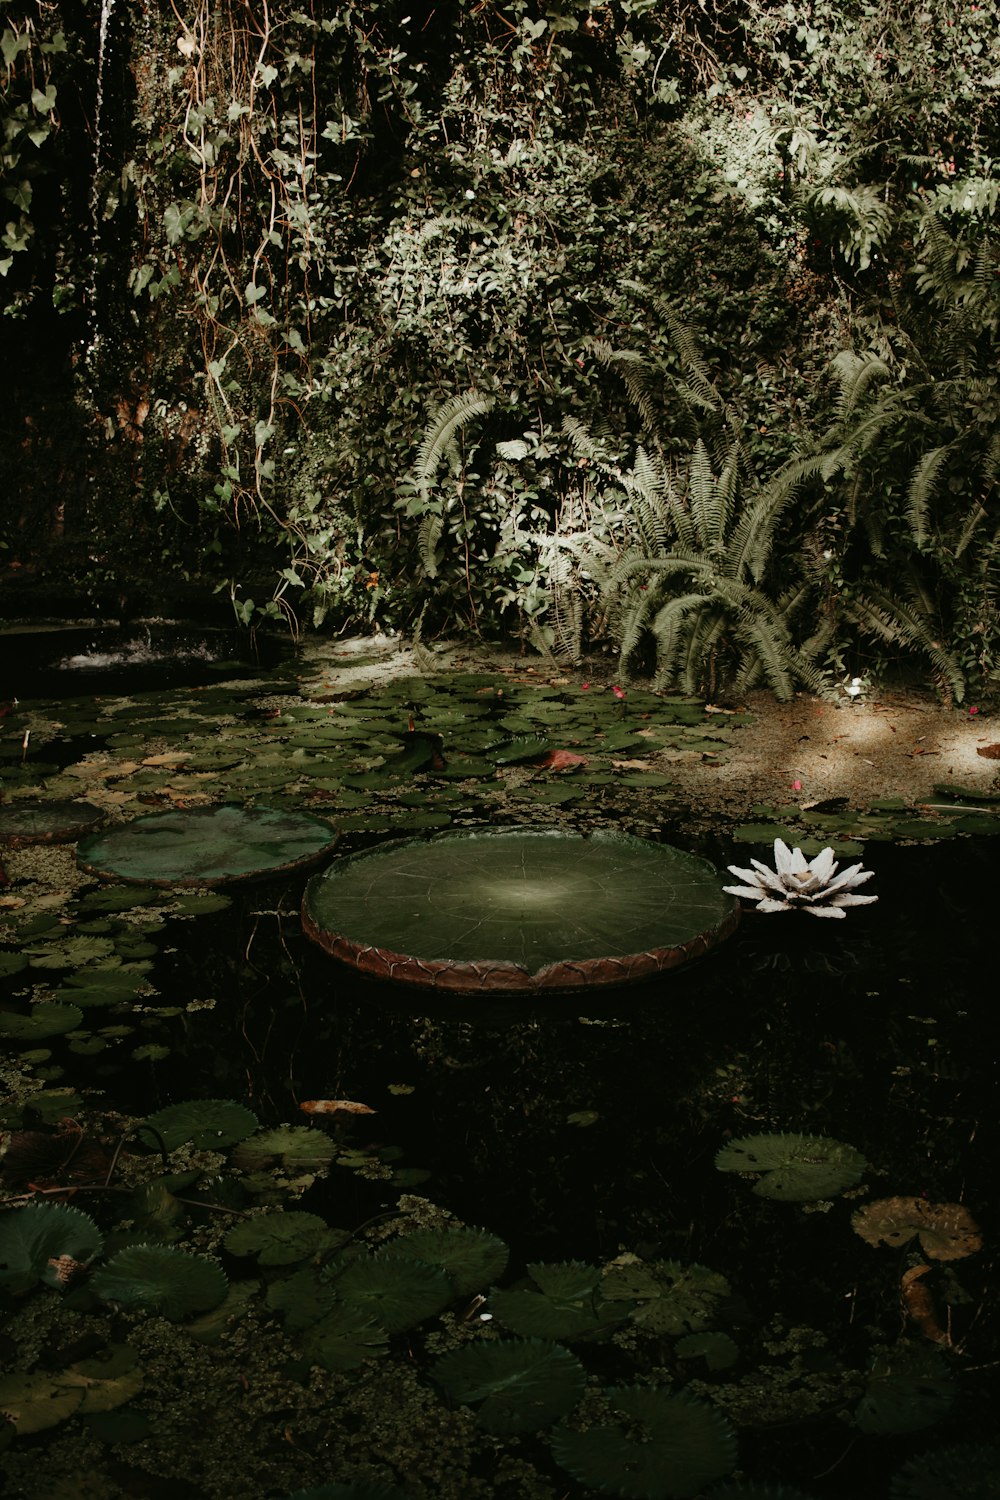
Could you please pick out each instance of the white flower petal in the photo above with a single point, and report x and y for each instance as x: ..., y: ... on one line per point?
x: 741, y: 874
x: 824, y: 866
x: 749, y: 892
x: 770, y: 905
x: 766, y: 877
x: 849, y: 878
x: 787, y: 861
x: 824, y: 911
x: 845, y: 900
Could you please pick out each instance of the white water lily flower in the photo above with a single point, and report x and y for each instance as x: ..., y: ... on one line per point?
x: 813, y: 885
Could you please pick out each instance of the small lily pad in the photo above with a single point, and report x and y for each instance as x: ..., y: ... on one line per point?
x: 794, y: 1168
x: 44, y: 1019
x: 293, y: 1146
x: 43, y: 822
x: 472, y: 1258
x: 161, y: 1280
x: 681, y: 1445
x: 666, y: 1296
x: 281, y: 1239
x: 344, y: 1338
x: 38, y: 1401
x: 396, y: 1293
x: 523, y: 1384
x: 564, y: 1302
x: 908, y: 1389
x: 211, y: 1124
x: 44, y: 1242
x: 947, y: 1231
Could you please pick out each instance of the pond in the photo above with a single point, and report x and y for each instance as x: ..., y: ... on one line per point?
x: 727, y: 1232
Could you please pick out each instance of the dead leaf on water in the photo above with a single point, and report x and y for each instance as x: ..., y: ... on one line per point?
x: 947, y: 1231
x: 335, y: 1107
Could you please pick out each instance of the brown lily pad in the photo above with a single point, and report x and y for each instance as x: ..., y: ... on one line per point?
x: 947, y: 1231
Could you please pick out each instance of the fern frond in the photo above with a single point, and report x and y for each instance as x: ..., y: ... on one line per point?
x: 855, y: 373
x: 923, y: 485
x: 428, y: 537
x: 749, y: 549
x: 892, y: 621
x: 702, y: 497
x: 441, y: 431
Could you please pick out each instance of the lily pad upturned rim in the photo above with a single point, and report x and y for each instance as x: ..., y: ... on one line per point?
x: 494, y: 974
x: 98, y: 855
x: 38, y: 821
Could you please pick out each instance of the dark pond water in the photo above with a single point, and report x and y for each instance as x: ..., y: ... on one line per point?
x: 583, y: 1130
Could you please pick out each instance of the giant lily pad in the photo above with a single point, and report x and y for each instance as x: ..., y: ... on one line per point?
x: 529, y: 910
x: 207, y: 846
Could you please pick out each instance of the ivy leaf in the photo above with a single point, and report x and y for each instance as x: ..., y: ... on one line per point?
x: 252, y: 293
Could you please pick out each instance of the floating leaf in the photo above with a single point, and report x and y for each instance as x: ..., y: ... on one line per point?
x: 566, y: 1304
x: 794, y: 1168
x: 963, y: 1471
x: 161, y: 1280
x: 522, y: 910
x: 343, y: 1339
x: 44, y: 1019
x: 12, y: 963
x: 397, y: 1293
x: 107, y: 1380
x: 718, y: 1350
x: 335, y: 1107
x: 38, y: 1401
x: 43, y: 1241
x: 302, y: 1299
x: 296, y: 1146
x: 947, y: 1230
x: 280, y: 1239
x: 523, y: 1384
x: 472, y: 1258
x: 682, y: 1445
x: 670, y: 1297
x: 210, y: 1124
x: 121, y: 1426
x: 907, y: 1389
x: 206, y: 846
x: 213, y: 1325
x: 356, y: 1491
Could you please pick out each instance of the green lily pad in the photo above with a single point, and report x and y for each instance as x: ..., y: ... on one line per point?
x: 961, y: 1471
x: 681, y: 1446
x: 38, y: 1401
x: 718, y: 1350
x: 42, y: 822
x: 358, y: 1491
x: 44, y: 1019
x: 565, y: 1302
x: 107, y: 1380
x: 529, y: 910
x: 281, y: 1239
x: 394, y: 1292
x: 206, y: 846
x: 908, y: 1389
x: 471, y: 1258
x: 45, y: 1242
x: 523, y: 1384
x: 294, y: 1146
x: 794, y: 1168
x: 211, y: 1124
x: 343, y: 1339
x: 11, y: 963
x: 667, y: 1297
x: 161, y: 1280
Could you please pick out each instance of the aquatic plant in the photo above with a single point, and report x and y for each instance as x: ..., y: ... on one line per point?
x: 794, y: 1168
x: 812, y: 885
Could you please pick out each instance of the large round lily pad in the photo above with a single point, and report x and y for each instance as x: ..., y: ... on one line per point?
x: 529, y: 910
x: 40, y: 822
x: 206, y: 846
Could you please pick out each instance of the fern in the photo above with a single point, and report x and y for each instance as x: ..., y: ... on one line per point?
x: 441, y: 432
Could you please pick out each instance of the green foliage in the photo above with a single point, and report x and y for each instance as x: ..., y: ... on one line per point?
x: 45, y: 1242
x: 794, y: 1168
x: 522, y: 1384
x: 671, y: 1448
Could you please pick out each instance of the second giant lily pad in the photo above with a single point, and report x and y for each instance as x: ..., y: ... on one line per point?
x: 206, y: 846
x: 528, y: 910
